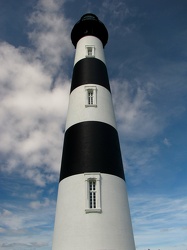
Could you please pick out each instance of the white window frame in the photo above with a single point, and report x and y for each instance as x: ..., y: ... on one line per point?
x: 96, y: 192
x: 90, y: 51
x: 91, y: 96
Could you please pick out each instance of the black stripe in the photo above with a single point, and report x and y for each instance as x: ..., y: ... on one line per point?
x: 90, y: 71
x: 91, y: 147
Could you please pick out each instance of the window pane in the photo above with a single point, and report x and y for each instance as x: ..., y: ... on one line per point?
x: 92, y: 189
x: 90, y: 97
x: 90, y: 51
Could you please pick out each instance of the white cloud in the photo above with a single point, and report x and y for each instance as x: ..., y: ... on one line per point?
x: 31, y: 114
x: 23, y: 227
x: 39, y: 204
x: 50, y: 34
x: 18, y: 245
x: 136, y: 115
x: 118, y: 11
x: 139, y: 162
x: 5, y: 213
x: 34, y: 97
x: 167, y: 142
x: 157, y: 220
x: 2, y: 230
x: 33, y: 103
x: 9, y: 220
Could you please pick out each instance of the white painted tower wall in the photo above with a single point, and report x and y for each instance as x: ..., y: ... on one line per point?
x: 109, y: 230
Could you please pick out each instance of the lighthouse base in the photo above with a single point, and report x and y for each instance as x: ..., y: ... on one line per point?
x: 106, y: 227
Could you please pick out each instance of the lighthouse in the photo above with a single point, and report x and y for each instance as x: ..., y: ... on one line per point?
x: 92, y: 211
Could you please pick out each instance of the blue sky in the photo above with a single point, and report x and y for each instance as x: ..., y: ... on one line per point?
x: 146, y: 59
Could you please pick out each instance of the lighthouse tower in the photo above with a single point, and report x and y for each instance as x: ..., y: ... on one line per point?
x: 92, y: 207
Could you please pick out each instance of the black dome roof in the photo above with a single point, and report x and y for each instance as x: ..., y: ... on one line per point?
x: 89, y: 24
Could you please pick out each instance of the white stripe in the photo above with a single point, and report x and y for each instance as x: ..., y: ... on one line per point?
x: 89, y: 41
x: 110, y: 229
x: 79, y: 112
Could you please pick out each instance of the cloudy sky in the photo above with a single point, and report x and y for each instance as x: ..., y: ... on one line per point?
x: 147, y: 64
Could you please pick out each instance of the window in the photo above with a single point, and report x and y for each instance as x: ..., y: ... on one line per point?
x: 91, y: 98
x: 93, y: 193
x: 90, y: 51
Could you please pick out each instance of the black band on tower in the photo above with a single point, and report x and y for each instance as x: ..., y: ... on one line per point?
x: 91, y: 147
x: 90, y: 71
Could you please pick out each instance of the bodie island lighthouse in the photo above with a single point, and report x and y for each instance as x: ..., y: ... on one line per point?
x: 92, y: 206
